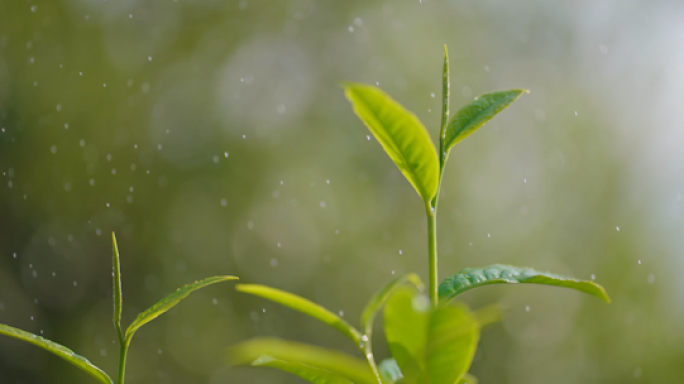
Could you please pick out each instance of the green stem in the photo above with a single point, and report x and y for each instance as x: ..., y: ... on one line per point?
x: 432, y: 252
x: 367, y: 350
x: 123, y: 350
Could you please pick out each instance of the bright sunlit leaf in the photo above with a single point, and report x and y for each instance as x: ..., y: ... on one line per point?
x: 307, y: 372
x: 302, y: 305
x: 453, y: 333
x: 170, y: 301
x: 476, y: 113
x: 59, y: 350
x: 470, y: 278
x: 355, y: 369
x: 400, y: 133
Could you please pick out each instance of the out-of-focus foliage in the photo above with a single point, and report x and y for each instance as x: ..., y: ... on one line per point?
x: 258, y: 168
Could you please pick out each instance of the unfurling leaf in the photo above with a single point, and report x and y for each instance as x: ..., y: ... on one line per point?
x: 170, y: 301
x: 476, y: 113
x: 59, y: 350
x: 307, y: 372
x: 302, y: 305
x: 337, y: 362
x: 116, y: 275
x: 470, y: 278
x: 400, y: 133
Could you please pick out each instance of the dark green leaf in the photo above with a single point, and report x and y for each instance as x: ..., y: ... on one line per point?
x: 356, y: 370
x: 116, y: 275
x: 59, y: 350
x: 302, y: 305
x: 170, y: 301
x: 400, y: 133
x: 381, y: 296
x: 476, y: 113
x: 453, y: 333
x: 390, y: 371
x: 307, y: 372
x: 407, y: 315
x: 470, y: 278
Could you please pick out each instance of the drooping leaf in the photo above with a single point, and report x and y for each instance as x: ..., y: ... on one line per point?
x: 381, y: 297
x: 476, y: 113
x: 116, y: 275
x: 355, y: 369
x: 302, y: 305
x: 307, y: 372
x: 468, y: 379
x: 170, y: 301
x: 453, y: 333
x: 400, y: 133
x: 470, y: 278
x: 390, y: 371
x: 59, y: 350
x: 407, y: 315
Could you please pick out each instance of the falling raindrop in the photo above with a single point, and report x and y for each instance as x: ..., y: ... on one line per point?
x: 593, y: 277
x: 224, y: 202
x: 341, y: 313
x: 400, y: 252
x: 274, y: 263
x: 322, y: 204
x: 527, y: 308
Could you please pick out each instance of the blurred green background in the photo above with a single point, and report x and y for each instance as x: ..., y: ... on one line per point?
x: 213, y: 137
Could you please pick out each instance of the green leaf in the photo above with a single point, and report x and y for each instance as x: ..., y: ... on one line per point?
x: 407, y: 315
x: 468, y: 379
x: 453, y: 334
x: 307, y: 372
x: 170, y: 301
x: 476, y: 113
x: 381, y: 297
x: 59, y: 350
x: 390, y: 371
x: 302, y: 305
x: 355, y: 369
x: 470, y: 278
x: 116, y: 275
x: 400, y: 133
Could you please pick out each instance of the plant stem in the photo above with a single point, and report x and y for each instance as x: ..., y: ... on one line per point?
x: 123, y: 350
x: 432, y: 252
x: 367, y: 350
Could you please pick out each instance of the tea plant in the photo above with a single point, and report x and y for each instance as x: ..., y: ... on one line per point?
x: 431, y: 340
x: 124, y: 337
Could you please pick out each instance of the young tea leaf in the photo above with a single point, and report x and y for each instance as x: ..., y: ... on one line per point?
x: 407, y: 315
x: 356, y: 370
x: 453, y: 333
x: 470, y: 278
x: 400, y: 133
x: 170, y: 301
x: 59, y: 350
x: 476, y: 113
x: 302, y: 305
x: 390, y: 371
x: 307, y: 372
x: 381, y: 297
x: 118, y: 298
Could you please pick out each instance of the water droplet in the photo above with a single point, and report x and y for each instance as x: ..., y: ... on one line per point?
x: 149, y: 58
x: 524, y: 180
x: 54, y: 274
x: 31, y: 318
x: 593, y: 277
x: 322, y: 204
x: 224, y: 202
x: 103, y: 352
x: 337, y: 231
x: 214, y: 301
x: 98, y: 232
x: 637, y: 372
x: 107, y: 205
x: 34, y: 8
x: 75, y: 283
x: 341, y: 313
x: 527, y: 308
x: 215, y: 159
x: 351, y: 29
x: 92, y: 182
x: 367, y: 137
x: 14, y: 255
x: 575, y: 113
x: 489, y: 235
x: 617, y: 228
x: 82, y: 143
x: 393, y: 271
x: 274, y: 263
x: 650, y: 278
x: 400, y: 252
x: 432, y: 95
x: 250, y: 225
x: 278, y: 244
x: 263, y: 310
x: 244, y: 136
x: 53, y: 149
x: 225, y: 154
x: 327, y: 181
x: 159, y: 351
x: 639, y: 262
